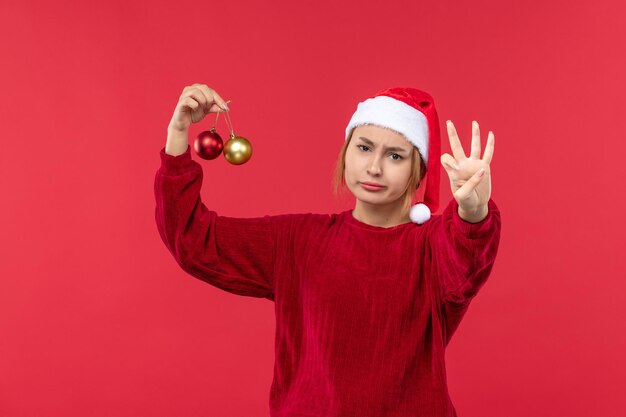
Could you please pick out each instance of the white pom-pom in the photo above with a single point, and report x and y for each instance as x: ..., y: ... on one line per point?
x: 419, y: 213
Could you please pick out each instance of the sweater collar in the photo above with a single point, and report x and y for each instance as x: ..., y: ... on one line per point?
x: 350, y: 219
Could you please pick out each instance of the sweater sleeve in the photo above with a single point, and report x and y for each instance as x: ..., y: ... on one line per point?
x: 462, y: 256
x: 233, y: 254
x: 464, y: 252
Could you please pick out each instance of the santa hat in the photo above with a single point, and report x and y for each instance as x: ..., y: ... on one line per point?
x: 410, y: 112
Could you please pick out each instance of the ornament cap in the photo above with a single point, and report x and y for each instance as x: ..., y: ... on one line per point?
x: 419, y: 213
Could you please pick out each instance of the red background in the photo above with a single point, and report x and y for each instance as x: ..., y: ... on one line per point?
x: 97, y: 319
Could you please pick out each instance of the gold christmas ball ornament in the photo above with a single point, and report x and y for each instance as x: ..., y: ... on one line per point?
x: 237, y: 150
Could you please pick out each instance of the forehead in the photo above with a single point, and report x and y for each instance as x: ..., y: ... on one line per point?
x: 381, y: 135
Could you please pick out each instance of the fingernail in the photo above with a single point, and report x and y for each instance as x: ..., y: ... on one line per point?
x: 481, y: 172
x: 456, y: 166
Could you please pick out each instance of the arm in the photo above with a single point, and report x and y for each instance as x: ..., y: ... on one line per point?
x: 464, y: 252
x: 233, y: 254
x: 462, y: 256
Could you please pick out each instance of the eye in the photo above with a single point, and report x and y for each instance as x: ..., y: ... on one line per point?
x: 399, y: 157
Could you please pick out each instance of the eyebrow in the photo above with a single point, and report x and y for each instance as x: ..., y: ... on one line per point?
x: 388, y: 148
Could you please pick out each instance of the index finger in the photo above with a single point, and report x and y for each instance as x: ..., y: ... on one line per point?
x: 216, y: 97
x: 455, y: 143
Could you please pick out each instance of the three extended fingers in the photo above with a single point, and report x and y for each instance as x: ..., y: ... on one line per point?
x: 457, y: 148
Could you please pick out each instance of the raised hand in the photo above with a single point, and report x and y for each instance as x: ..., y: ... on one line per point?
x: 470, y: 177
x: 195, y: 102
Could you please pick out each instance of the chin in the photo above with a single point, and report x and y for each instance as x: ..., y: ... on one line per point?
x: 377, y: 198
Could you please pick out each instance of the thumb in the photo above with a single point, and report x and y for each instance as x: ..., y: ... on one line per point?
x: 449, y: 163
x: 467, y: 188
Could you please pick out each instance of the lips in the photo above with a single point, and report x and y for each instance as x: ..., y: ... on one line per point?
x: 372, y: 184
x: 373, y: 188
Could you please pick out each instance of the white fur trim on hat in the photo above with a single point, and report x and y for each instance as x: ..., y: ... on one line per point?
x: 419, y: 213
x: 394, y: 114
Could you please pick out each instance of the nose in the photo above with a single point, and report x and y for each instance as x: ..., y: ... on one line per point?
x: 374, y: 167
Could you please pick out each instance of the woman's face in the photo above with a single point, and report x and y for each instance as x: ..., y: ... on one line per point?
x: 380, y: 156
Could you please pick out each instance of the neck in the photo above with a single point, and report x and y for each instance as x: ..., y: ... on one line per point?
x: 387, y: 215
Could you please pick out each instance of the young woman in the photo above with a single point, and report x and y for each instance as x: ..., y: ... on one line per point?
x: 366, y: 300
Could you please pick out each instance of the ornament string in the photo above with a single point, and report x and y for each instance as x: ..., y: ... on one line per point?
x: 228, y: 121
x: 217, y: 115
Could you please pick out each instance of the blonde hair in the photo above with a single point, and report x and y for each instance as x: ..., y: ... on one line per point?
x: 418, y: 170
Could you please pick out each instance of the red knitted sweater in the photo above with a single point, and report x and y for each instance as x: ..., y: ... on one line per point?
x: 363, y: 313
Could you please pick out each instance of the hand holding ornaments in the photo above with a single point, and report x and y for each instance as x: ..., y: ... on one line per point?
x: 196, y: 102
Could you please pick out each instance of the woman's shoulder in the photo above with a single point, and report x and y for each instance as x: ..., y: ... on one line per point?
x: 307, y: 220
